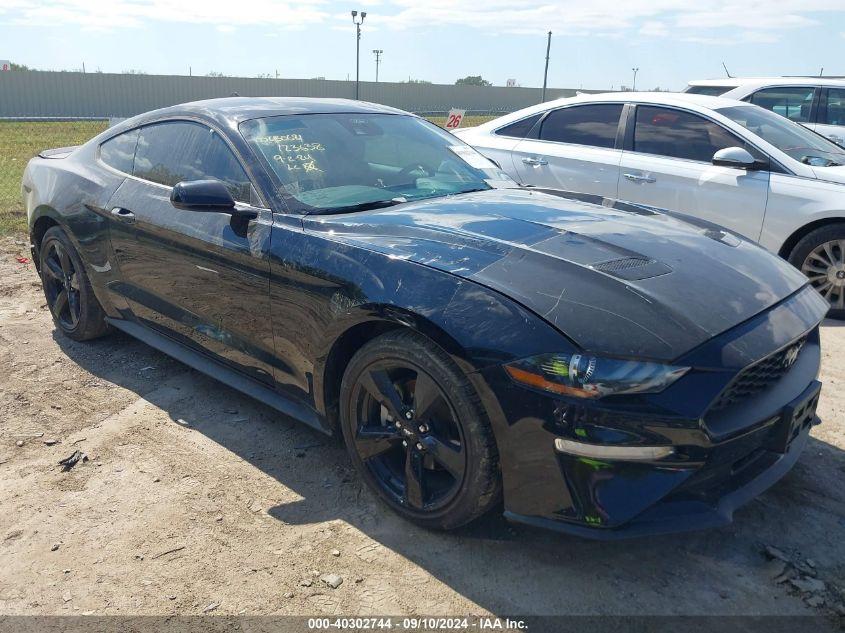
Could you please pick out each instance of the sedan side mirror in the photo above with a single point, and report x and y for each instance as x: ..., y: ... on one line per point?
x: 737, y: 157
x: 202, y: 195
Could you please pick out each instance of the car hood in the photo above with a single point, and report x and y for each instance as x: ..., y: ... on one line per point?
x: 616, y: 279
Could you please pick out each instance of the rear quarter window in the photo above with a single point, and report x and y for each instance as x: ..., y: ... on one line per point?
x: 119, y: 152
x: 519, y: 129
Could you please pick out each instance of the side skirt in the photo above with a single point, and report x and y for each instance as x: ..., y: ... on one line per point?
x: 224, y: 374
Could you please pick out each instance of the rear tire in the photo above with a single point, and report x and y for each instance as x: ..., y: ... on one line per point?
x: 401, y: 387
x: 70, y: 298
x: 821, y: 256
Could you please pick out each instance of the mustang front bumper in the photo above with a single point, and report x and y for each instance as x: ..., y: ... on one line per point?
x: 679, y: 460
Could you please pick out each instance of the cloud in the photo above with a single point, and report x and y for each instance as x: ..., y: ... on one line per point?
x: 106, y: 14
x: 754, y: 20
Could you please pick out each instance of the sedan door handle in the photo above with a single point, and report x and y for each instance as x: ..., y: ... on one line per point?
x: 124, y: 215
x: 535, y: 161
x: 640, y: 178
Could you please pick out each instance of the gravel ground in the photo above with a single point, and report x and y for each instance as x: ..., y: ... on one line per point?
x: 196, y: 499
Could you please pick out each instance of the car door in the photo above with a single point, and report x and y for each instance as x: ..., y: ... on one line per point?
x: 199, y: 277
x: 667, y: 164
x: 575, y: 149
x: 831, y: 116
x: 796, y: 103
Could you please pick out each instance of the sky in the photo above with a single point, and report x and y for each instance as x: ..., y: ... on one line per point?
x: 595, y: 43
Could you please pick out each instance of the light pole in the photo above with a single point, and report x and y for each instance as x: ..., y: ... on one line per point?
x: 358, y: 23
x: 546, y: 73
x: 378, y: 53
x: 634, y: 87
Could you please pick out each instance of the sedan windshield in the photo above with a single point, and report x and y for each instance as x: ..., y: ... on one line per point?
x: 791, y: 138
x: 335, y: 163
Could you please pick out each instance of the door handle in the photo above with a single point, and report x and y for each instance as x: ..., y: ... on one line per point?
x: 535, y: 161
x: 640, y: 178
x: 123, y: 215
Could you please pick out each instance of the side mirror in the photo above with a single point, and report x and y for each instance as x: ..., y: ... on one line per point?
x: 202, y: 195
x: 736, y: 157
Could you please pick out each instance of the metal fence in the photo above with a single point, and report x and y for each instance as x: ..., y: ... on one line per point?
x: 56, y: 95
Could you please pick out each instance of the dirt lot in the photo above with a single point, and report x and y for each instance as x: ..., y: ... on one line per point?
x: 196, y: 496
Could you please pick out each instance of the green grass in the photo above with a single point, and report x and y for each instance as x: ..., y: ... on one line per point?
x: 469, y: 121
x: 20, y: 141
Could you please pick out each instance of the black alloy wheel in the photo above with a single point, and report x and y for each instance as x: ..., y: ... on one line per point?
x: 73, y: 305
x: 61, y: 285
x: 408, y: 435
x: 417, y: 433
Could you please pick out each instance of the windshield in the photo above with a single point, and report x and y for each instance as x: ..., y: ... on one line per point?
x: 326, y: 163
x: 791, y: 138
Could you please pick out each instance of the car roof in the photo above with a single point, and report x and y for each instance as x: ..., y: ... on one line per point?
x: 233, y: 110
x: 735, y: 82
x: 678, y: 99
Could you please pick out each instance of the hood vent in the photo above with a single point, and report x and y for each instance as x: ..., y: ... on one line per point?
x: 632, y: 268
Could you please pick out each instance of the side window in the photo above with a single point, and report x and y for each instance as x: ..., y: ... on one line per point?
x: 793, y: 103
x: 668, y: 132
x: 119, y: 152
x: 177, y: 151
x: 835, y: 114
x: 593, y: 125
x: 519, y: 129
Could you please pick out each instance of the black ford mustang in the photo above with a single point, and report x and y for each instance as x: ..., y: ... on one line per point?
x: 606, y: 369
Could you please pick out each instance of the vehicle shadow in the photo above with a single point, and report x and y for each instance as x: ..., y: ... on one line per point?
x: 503, y: 568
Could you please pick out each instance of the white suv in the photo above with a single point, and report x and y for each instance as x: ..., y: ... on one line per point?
x: 815, y: 102
x: 731, y: 163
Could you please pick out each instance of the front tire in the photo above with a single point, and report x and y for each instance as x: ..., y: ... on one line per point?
x: 821, y: 256
x: 417, y: 433
x: 75, y: 309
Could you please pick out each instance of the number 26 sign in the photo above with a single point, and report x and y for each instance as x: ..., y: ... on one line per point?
x: 454, y: 119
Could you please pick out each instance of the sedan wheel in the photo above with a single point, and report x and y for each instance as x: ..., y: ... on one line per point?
x: 416, y: 431
x: 825, y: 267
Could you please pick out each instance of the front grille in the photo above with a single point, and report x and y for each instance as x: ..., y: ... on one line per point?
x: 759, y: 377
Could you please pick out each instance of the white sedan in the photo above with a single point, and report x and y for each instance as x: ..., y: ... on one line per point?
x: 728, y: 162
x: 815, y: 102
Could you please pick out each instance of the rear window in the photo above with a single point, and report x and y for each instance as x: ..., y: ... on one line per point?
x: 521, y: 128
x: 593, y: 125
x: 710, y: 91
x: 119, y: 152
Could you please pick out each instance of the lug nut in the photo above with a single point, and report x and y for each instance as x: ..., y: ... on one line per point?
x: 404, y: 443
x: 409, y: 415
x: 398, y: 424
x: 419, y: 446
x: 423, y: 428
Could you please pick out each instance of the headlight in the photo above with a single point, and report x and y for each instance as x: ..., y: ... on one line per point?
x: 586, y: 376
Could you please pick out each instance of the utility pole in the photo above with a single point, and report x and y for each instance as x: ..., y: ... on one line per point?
x: 378, y: 53
x: 358, y: 24
x: 634, y: 87
x: 546, y: 73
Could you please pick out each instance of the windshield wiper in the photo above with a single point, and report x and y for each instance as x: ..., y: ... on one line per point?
x: 361, y: 206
